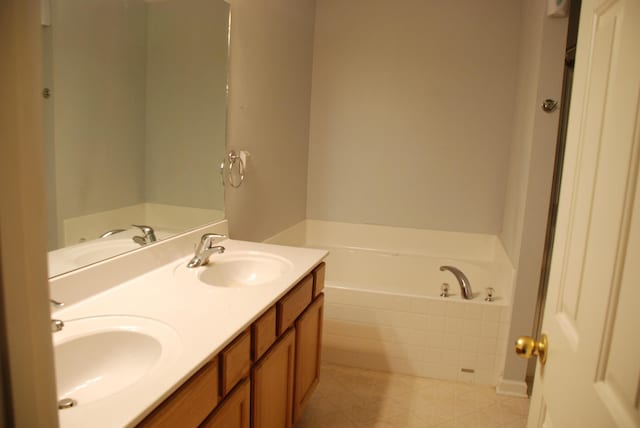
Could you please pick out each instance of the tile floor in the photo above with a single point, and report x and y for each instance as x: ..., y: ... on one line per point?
x: 355, y: 398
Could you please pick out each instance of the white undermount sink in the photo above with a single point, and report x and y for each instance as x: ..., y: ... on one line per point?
x: 239, y: 269
x: 99, y: 356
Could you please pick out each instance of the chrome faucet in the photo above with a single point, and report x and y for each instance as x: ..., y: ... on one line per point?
x: 465, y: 285
x: 149, y: 235
x: 206, y: 249
x: 111, y: 232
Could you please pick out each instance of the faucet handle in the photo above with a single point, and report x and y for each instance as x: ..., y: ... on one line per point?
x: 444, y: 290
x: 208, y: 239
x: 56, y: 325
x: 148, y: 231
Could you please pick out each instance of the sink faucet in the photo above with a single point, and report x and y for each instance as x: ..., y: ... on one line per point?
x: 465, y: 285
x: 149, y: 235
x: 206, y: 249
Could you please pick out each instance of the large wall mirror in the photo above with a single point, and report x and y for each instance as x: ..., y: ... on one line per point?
x: 135, y: 122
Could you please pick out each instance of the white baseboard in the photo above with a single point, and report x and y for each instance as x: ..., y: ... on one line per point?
x: 512, y: 388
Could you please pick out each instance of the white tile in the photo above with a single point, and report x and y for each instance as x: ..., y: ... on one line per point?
x: 490, y: 329
x: 437, y: 371
x: 359, y: 315
x: 486, y: 362
x: 435, y: 323
x: 473, y: 311
x: 468, y: 360
x: 435, y: 339
x: 491, y: 313
x: 451, y: 358
x: 456, y: 309
x: 466, y: 377
x: 505, y: 314
x: 487, y: 345
x: 437, y: 307
x: 452, y: 342
x: 432, y: 356
x: 469, y: 344
x: 420, y: 305
x: 454, y: 326
x: 472, y: 327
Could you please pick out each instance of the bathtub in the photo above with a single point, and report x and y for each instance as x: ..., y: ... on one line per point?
x: 383, y: 309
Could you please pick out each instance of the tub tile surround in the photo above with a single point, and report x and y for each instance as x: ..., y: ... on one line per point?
x: 205, y: 318
x: 407, y: 333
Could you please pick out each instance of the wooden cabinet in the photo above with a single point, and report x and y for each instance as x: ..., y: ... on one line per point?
x: 308, y: 330
x: 235, y: 362
x: 294, y: 303
x: 234, y: 411
x: 318, y: 279
x: 190, y: 404
x: 265, y: 377
x: 272, y: 385
x: 264, y: 333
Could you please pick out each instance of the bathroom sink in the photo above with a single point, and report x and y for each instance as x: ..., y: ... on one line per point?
x: 98, y: 250
x: 100, y: 356
x: 240, y: 269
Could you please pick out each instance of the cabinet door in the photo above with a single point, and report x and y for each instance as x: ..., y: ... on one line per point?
x: 308, y: 343
x: 272, y: 397
x: 234, y: 412
x: 190, y: 404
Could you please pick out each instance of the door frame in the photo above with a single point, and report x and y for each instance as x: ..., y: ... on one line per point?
x: 24, y: 283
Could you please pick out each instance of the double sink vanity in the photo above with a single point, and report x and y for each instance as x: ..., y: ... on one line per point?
x: 235, y: 342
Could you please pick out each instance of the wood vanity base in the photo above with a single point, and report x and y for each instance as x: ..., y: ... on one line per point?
x: 265, y: 377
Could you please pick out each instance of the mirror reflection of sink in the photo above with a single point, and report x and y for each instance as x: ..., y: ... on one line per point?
x: 100, y: 249
x: 99, y: 356
x: 242, y: 269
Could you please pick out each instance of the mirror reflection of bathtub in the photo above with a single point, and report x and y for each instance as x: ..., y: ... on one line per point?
x: 85, y: 253
x: 136, y: 117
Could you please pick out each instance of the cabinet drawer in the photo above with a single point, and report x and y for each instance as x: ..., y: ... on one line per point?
x: 235, y: 362
x: 264, y: 333
x: 318, y: 279
x: 190, y: 404
x: 292, y: 305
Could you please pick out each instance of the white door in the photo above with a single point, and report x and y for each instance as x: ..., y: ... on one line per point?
x: 592, y: 314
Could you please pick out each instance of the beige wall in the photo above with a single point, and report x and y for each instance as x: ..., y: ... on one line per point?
x: 531, y: 165
x: 186, y: 102
x: 411, y: 112
x: 99, y: 74
x: 270, y: 90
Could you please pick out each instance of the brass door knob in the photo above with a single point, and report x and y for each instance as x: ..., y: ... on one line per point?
x: 527, y: 347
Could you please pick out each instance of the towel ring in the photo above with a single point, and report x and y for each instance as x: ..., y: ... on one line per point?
x: 233, y: 160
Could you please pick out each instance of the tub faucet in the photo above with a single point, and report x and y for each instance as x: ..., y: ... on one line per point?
x: 465, y: 285
x: 111, y: 232
x: 206, y: 249
x: 149, y: 235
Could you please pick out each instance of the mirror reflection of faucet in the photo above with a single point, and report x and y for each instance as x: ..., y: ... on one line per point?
x: 149, y: 235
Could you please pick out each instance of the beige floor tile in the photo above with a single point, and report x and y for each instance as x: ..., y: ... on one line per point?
x: 356, y: 398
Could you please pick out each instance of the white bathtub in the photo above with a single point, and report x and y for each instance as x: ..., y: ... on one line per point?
x: 383, y: 310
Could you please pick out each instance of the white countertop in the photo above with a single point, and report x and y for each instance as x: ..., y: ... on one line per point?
x: 206, y: 318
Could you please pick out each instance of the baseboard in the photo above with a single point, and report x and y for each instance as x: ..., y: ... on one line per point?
x: 512, y: 388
